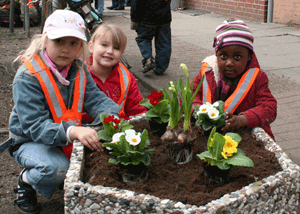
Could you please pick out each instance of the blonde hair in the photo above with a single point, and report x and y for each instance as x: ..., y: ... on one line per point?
x: 38, y: 44
x: 118, y: 36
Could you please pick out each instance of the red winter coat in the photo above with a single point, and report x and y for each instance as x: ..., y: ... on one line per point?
x: 111, y: 87
x: 259, y: 105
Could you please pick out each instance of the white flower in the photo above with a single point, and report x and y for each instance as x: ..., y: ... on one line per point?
x: 213, y: 113
x: 207, y: 103
x: 116, y: 137
x: 216, y: 104
x: 132, y: 138
x: 204, y: 108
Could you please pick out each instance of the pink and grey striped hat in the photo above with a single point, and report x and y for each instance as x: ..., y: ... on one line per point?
x: 233, y: 32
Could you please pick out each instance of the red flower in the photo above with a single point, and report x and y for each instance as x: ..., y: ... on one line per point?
x: 154, y: 101
x: 116, y: 127
x: 116, y: 120
x: 123, y: 116
x: 109, y: 119
x: 155, y: 95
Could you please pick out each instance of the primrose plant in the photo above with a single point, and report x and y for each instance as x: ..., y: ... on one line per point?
x: 223, y: 152
x: 210, y: 115
x: 158, y: 107
x: 127, y: 145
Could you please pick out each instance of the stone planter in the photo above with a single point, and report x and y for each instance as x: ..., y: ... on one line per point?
x: 275, y: 194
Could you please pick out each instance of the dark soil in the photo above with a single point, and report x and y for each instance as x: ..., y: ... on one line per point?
x: 184, y: 182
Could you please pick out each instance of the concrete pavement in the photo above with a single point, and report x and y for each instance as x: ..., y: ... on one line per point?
x: 276, y: 46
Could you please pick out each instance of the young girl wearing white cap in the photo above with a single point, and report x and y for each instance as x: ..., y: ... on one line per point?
x: 233, y: 75
x: 51, y: 89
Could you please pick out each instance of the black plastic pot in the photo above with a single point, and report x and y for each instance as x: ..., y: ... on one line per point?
x: 215, y: 175
x: 157, y: 129
x: 133, y: 173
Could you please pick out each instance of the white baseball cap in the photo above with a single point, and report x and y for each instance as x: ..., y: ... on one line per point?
x: 62, y: 23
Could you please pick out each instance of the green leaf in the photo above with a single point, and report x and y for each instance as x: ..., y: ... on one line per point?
x: 103, y: 135
x: 146, y: 160
x: 144, y: 140
x: 239, y: 159
x: 165, y: 118
x: 126, y: 126
x: 207, y: 125
x: 211, y: 136
x: 112, y: 160
x: 203, y: 116
x: 220, y: 121
x: 124, y: 145
x: 204, y: 155
x: 196, y: 108
x: 218, y: 145
x: 124, y: 159
x: 103, y: 115
x: 235, y: 136
x: 221, y: 106
x: 115, y: 153
x: 146, y: 103
x: 151, y: 113
x: 222, y: 165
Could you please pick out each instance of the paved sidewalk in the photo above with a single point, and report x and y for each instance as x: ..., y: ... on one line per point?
x: 276, y: 46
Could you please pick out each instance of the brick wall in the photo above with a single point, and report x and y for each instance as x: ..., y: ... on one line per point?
x: 254, y: 10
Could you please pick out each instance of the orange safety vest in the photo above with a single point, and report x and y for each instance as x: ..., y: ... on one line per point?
x: 55, y: 101
x: 239, y: 93
x: 125, y: 82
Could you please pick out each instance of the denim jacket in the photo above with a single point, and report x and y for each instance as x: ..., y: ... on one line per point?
x: 31, y: 119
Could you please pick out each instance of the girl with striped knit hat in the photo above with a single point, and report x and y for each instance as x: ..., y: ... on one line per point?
x: 233, y: 75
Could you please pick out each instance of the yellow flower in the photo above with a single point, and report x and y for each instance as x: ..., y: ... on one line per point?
x: 229, y: 147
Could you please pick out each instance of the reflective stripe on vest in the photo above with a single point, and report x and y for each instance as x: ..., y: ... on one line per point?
x: 239, y: 93
x: 241, y: 90
x: 55, y: 101
x: 206, y: 89
x: 125, y: 82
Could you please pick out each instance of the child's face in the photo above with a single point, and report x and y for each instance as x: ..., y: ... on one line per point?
x: 105, y: 53
x: 63, y: 51
x: 232, y: 60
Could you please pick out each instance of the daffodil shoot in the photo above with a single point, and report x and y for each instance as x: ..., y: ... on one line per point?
x: 223, y: 152
x: 181, y: 98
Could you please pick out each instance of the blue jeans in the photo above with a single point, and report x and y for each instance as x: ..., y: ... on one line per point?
x: 118, y: 3
x: 100, y: 8
x: 162, y: 43
x: 128, y: 2
x: 46, y: 166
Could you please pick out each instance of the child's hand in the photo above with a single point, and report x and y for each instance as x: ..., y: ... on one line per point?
x: 234, y: 122
x: 87, y: 136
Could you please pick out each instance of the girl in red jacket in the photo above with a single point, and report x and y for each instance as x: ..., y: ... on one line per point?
x: 234, y: 76
x: 107, y: 45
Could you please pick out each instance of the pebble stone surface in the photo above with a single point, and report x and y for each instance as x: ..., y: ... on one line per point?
x: 278, y: 193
